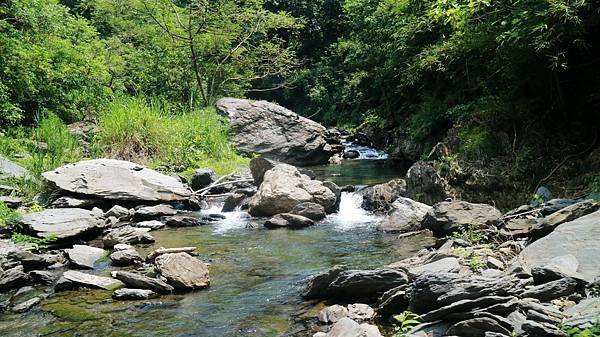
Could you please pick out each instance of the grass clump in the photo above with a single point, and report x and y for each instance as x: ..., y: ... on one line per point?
x: 154, y: 133
x: 8, y: 216
x: 592, y: 331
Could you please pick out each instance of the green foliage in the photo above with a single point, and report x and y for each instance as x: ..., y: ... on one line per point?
x: 156, y: 133
x: 595, y: 183
x: 55, y: 145
x: 471, y: 234
x: 32, y: 241
x: 592, y: 331
x: 8, y: 217
x: 405, y: 322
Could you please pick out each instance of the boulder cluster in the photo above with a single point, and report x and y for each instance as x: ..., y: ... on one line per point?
x: 523, y: 273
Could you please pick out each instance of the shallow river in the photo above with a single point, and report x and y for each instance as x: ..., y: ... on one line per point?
x: 256, y: 277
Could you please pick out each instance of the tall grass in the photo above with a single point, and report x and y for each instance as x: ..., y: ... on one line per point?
x: 154, y: 133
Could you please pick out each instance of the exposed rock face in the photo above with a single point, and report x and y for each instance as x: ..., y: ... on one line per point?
x: 79, y: 279
x: 153, y: 212
x: 424, y: 184
x: 284, y: 187
x: 569, y: 213
x: 85, y: 257
x: 380, y: 197
x: 579, y: 238
x: 275, y: 132
x: 203, y: 178
x: 117, y: 180
x: 63, y: 223
x: 134, y: 280
x: 183, y: 271
x: 288, y: 220
x: 128, y: 235
x: 8, y: 169
x: 12, y: 278
x: 449, y: 216
x: 406, y: 215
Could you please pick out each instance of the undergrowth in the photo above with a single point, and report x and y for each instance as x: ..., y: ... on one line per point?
x: 592, y: 331
x: 155, y: 133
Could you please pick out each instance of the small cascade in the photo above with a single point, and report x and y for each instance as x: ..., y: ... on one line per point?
x: 233, y: 220
x: 365, y: 152
x: 351, y: 214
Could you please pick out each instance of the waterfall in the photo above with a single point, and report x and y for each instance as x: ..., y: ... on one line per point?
x: 351, y: 214
x: 364, y: 151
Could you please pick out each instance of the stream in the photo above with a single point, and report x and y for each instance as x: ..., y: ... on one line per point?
x: 256, y: 275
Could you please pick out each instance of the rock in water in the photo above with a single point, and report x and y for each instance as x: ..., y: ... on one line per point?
x: 406, y: 215
x: 276, y: 132
x: 449, y: 216
x: 117, y: 180
x: 288, y: 220
x: 346, y: 327
x: 133, y: 294
x: 12, y: 278
x: 380, y: 197
x: 91, y: 281
x: 284, y: 187
x: 82, y: 256
x: 310, y: 210
x: 183, y: 271
x: 62, y: 223
x: 128, y: 235
x: 134, y: 280
x: 332, y: 314
x: 579, y: 238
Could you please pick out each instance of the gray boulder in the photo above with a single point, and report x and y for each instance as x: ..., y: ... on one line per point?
x: 12, y: 278
x: 8, y: 169
x: 284, y: 187
x: 584, y: 314
x: 76, y: 279
x: 183, y: 221
x: 449, y: 216
x: 569, y: 213
x: 203, y: 178
x: 406, y: 215
x: 579, y: 238
x: 288, y: 220
x: 84, y: 257
x: 134, y: 280
x: 125, y: 294
x: 424, y: 184
x: 73, y: 202
x: 332, y: 314
x: 310, y: 210
x: 118, y: 212
x: 361, y: 284
x: 152, y: 224
x: 275, y: 132
x: 360, y: 312
x: 117, y: 180
x: 380, y: 197
x: 63, y: 223
x: 153, y: 212
x: 125, y: 257
x: 445, y: 265
x: 26, y: 305
x: 128, y: 235
x: 346, y: 327
x: 183, y: 271
x: 553, y: 289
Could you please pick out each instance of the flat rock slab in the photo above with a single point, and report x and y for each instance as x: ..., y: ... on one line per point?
x: 62, y: 223
x: 134, y: 280
x: 91, y: 281
x: 85, y: 257
x: 124, y: 294
x: 128, y: 235
x: 117, y: 180
x: 183, y: 271
x: 8, y: 169
x: 579, y: 238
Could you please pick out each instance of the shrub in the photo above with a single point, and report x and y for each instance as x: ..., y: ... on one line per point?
x: 154, y: 133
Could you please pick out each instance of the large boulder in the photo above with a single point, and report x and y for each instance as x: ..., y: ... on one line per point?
x: 63, y: 223
x: 117, y: 180
x: 579, y: 238
x: 424, y: 184
x: 183, y: 271
x: 380, y: 197
x: 284, y: 187
x: 82, y: 256
x: 406, y: 215
x: 275, y: 132
x: 450, y: 216
x: 203, y: 178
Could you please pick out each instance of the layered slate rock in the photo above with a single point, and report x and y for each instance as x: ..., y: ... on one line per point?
x: 117, y: 180
x: 12, y: 278
x: 128, y: 235
x: 134, y: 280
x: 79, y: 279
x: 8, y: 169
x: 284, y: 187
x: 260, y: 127
x: 406, y: 215
x: 579, y: 238
x: 62, y: 223
x: 82, y: 256
x: 288, y: 220
x: 449, y: 216
x: 183, y: 271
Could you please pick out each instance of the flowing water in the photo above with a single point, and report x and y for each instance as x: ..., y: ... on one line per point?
x: 256, y: 278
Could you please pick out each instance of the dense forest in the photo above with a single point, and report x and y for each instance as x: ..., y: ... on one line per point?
x: 517, y: 77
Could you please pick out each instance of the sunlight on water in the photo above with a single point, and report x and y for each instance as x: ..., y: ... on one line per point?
x: 234, y: 221
x: 365, y: 151
x: 351, y: 214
